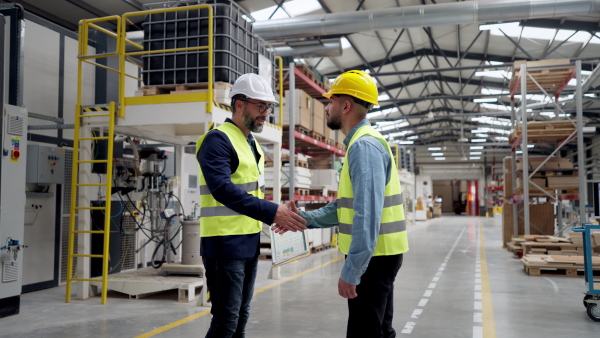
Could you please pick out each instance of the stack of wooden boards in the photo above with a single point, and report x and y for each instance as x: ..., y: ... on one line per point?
x: 555, y: 256
x: 556, y: 175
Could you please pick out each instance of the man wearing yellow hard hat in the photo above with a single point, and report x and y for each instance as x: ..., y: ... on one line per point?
x: 369, y: 209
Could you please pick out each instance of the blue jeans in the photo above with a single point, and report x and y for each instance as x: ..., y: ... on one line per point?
x: 231, y: 285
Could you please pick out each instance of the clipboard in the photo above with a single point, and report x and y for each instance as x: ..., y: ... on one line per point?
x: 288, y: 247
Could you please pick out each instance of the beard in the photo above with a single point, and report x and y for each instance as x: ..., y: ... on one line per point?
x: 250, y: 123
x: 334, y: 122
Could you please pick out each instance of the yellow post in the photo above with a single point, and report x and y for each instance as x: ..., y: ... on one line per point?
x: 107, y: 215
x: 280, y: 88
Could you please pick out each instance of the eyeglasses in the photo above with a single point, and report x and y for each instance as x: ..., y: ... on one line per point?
x: 262, y: 108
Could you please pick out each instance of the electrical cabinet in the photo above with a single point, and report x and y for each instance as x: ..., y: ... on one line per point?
x: 45, y: 165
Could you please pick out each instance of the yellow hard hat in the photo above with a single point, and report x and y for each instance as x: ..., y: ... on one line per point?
x: 357, y: 84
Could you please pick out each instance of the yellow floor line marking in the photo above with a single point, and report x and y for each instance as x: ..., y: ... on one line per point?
x: 489, y: 325
x: 203, y: 313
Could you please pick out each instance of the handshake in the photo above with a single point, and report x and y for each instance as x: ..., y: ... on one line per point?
x: 288, y: 219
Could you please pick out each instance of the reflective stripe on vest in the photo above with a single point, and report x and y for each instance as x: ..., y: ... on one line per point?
x: 392, y: 238
x: 247, y: 187
x: 217, y: 219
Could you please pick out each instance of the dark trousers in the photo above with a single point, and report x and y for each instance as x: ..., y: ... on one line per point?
x: 231, y: 285
x: 371, y: 313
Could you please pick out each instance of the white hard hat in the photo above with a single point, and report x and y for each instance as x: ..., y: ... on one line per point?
x: 253, y: 86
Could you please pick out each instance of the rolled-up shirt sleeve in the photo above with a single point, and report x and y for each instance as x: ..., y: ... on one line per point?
x: 215, y: 157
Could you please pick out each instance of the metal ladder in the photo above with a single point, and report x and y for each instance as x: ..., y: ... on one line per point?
x: 87, y: 118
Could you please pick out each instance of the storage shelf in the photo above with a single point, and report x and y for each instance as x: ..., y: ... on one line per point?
x: 494, y: 188
x: 561, y: 197
x: 310, y: 146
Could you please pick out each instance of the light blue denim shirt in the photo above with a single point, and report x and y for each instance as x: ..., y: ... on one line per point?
x: 370, y: 168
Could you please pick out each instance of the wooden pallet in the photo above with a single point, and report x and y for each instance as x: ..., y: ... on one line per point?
x: 340, y: 146
x: 544, y: 132
x: 329, y: 141
x: 317, y: 136
x: 297, y: 191
x: 297, y: 163
x: 298, y: 128
x: 552, y: 78
x: 553, y: 271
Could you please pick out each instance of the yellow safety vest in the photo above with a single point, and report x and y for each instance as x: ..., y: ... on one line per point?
x: 217, y: 219
x: 392, y: 239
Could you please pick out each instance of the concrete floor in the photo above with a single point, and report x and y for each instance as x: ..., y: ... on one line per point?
x: 447, y: 287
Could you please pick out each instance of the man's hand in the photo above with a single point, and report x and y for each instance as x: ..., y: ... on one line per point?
x: 288, y: 220
x: 346, y: 290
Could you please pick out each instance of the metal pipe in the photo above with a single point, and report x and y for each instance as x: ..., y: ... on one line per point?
x: 455, y: 13
x: 580, y: 146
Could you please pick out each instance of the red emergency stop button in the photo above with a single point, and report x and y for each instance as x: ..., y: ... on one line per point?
x: 15, y: 154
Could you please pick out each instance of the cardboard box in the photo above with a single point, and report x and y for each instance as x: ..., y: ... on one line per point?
x: 552, y: 163
x: 318, y: 116
x: 541, y: 220
x: 541, y: 181
x: 563, y: 181
x: 325, y: 178
x: 303, y: 109
x: 320, y: 162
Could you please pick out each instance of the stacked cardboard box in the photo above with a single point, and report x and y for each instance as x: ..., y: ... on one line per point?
x: 318, y: 117
x: 556, y: 173
x: 304, y: 104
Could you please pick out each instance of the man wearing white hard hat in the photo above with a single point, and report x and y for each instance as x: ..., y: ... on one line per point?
x: 233, y: 207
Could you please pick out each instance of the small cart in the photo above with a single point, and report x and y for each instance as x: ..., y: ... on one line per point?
x: 591, y: 300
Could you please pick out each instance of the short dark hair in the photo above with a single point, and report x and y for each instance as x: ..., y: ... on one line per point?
x: 356, y: 100
x: 235, y: 98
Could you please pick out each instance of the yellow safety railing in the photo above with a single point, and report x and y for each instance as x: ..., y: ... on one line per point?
x: 121, y: 41
x: 280, y: 89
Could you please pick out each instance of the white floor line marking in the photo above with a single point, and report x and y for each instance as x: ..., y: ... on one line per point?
x: 477, y: 306
x: 478, y: 287
x: 477, y: 280
x: 477, y: 332
x: 478, y: 295
x: 408, y: 327
x: 478, y: 270
x: 416, y: 313
x: 478, y: 275
x: 478, y: 317
x: 553, y: 284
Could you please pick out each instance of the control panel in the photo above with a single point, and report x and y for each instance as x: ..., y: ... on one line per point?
x: 45, y: 165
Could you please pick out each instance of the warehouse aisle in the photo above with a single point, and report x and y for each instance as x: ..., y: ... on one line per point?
x: 442, y: 290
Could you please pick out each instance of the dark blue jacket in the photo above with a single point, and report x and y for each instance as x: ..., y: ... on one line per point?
x: 218, y: 159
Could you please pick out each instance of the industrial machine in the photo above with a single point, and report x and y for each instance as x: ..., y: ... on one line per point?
x: 12, y: 213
